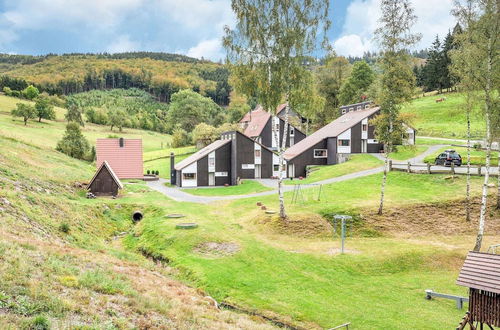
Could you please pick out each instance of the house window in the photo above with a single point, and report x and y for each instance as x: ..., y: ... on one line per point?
x: 188, y: 176
x: 343, y: 111
x: 276, y: 168
x: 367, y: 106
x: 211, y: 161
x: 320, y: 153
x: 364, y: 127
x: 247, y: 166
x: 344, y: 143
x: 358, y: 108
x: 292, y: 131
x: 257, y: 153
x: 351, y: 109
x: 220, y: 173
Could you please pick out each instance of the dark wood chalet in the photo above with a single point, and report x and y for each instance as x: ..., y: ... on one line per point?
x: 481, y: 274
x: 258, y: 125
x: 235, y: 156
x: 105, y: 182
x: 348, y: 134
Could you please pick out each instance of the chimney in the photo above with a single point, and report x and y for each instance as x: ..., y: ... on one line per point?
x: 122, y: 142
x: 173, y: 174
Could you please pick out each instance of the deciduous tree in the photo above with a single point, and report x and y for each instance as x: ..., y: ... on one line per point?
x: 358, y: 83
x: 31, y: 92
x: 268, y: 48
x: 397, y: 80
x: 73, y: 143
x: 44, y: 109
x: 26, y: 111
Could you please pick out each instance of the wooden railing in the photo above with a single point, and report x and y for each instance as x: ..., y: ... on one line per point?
x: 436, y: 169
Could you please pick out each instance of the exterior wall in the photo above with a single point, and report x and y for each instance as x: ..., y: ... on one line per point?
x: 267, y: 134
x: 103, y: 184
x: 356, y: 138
x: 373, y: 147
x: 307, y: 158
x: 223, y: 164
x: 193, y: 168
x: 267, y: 163
x: 245, y: 154
x: 331, y: 146
x: 299, y: 136
x: 344, y: 136
x: 125, y: 161
x: 267, y: 138
x: 202, y: 171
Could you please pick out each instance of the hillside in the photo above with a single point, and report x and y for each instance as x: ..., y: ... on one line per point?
x: 444, y: 119
x: 65, y: 74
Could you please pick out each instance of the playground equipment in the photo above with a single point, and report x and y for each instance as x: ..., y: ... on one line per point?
x: 342, y: 220
x: 312, y: 192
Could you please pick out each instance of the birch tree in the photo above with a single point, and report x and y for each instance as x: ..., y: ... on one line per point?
x: 267, y: 49
x: 479, y: 49
x: 397, y: 80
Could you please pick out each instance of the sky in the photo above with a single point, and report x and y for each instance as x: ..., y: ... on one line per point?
x: 190, y: 27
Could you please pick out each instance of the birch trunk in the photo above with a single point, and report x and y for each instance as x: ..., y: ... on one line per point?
x: 384, y: 181
x: 498, y: 178
x: 282, y: 148
x: 467, y: 192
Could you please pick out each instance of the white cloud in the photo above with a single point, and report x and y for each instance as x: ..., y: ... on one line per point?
x: 208, y: 49
x: 123, y: 44
x: 362, y: 16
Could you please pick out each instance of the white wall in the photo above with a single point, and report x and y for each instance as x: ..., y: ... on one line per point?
x: 276, y: 161
x: 344, y: 136
x: 193, y: 168
x: 211, y: 156
x: 258, y: 160
x: 411, y: 135
x: 364, y: 134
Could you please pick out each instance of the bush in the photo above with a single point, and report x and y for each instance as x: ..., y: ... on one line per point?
x: 31, y: 92
x: 64, y: 227
x: 73, y: 143
x: 148, y: 172
x: 157, y: 172
x: 16, y: 94
x: 180, y: 138
x: 7, y: 91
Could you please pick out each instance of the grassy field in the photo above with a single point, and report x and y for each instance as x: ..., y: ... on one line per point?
x: 47, y: 133
x: 244, y: 188
x: 478, y: 157
x: 355, y: 164
x: 433, y: 141
x: 407, y: 152
x: 444, y: 119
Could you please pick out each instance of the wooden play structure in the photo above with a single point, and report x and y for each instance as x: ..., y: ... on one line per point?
x: 481, y: 274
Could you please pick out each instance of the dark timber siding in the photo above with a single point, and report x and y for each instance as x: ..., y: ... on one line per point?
x: 299, y: 136
x: 331, y: 145
x: 267, y: 134
x: 244, y: 155
x: 202, y: 172
x: 223, y: 164
x: 307, y: 158
x: 373, y: 148
x: 103, y: 184
x: 356, y: 139
x: 267, y: 163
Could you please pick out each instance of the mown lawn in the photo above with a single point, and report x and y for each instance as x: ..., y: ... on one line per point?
x: 380, y: 286
x: 356, y: 163
x: 478, y: 157
x: 444, y: 119
x: 407, y: 152
x: 244, y: 188
x: 435, y: 141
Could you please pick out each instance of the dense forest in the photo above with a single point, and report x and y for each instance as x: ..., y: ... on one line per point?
x: 159, y: 74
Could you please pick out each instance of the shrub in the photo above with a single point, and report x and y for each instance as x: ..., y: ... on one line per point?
x: 15, y: 94
x: 157, y: 172
x: 39, y: 322
x: 64, y: 227
x: 73, y: 143
x: 7, y: 91
x: 180, y: 138
x: 148, y: 172
x: 31, y: 92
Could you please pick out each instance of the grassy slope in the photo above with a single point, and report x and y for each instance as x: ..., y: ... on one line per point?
x: 478, y: 157
x: 244, y: 188
x: 47, y: 133
x: 355, y: 164
x: 444, y: 119
x: 407, y: 152
x: 83, y: 278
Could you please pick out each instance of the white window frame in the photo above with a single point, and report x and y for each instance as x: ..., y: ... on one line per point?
x: 184, y: 176
x: 325, y: 156
x: 341, y: 145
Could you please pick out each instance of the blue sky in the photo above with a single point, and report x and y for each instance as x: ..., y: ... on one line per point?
x: 191, y: 27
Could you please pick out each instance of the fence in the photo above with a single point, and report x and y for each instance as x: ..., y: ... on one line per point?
x: 436, y: 169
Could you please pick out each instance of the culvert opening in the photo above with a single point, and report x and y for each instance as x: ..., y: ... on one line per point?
x: 137, y: 216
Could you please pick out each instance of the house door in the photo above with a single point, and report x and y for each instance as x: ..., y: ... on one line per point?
x: 258, y: 170
x: 291, y: 170
x: 211, y: 179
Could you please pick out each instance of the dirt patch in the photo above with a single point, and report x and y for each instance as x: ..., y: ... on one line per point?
x: 217, y: 250
x: 299, y: 225
x: 440, y: 218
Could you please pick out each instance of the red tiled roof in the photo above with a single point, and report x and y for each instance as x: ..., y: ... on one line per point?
x: 125, y: 161
x: 335, y: 128
x: 257, y: 120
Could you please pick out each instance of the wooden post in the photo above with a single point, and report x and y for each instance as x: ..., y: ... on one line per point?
x: 428, y: 168
x: 452, y: 167
x: 409, y: 167
x: 390, y: 165
x: 479, y: 170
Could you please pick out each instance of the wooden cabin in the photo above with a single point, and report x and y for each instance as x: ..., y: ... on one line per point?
x: 481, y: 274
x: 105, y: 182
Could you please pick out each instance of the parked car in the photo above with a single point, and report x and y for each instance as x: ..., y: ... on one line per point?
x: 447, y: 157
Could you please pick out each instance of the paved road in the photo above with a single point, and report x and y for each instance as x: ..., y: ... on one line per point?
x: 181, y: 196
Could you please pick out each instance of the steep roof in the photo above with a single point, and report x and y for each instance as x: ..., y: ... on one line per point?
x: 126, y: 161
x: 335, y: 128
x: 200, y: 154
x: 257, y: 120
x: 481, y: 271
x: 111, y: 172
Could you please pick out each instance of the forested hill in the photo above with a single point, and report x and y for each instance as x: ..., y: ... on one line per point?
x: 160, y: 74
